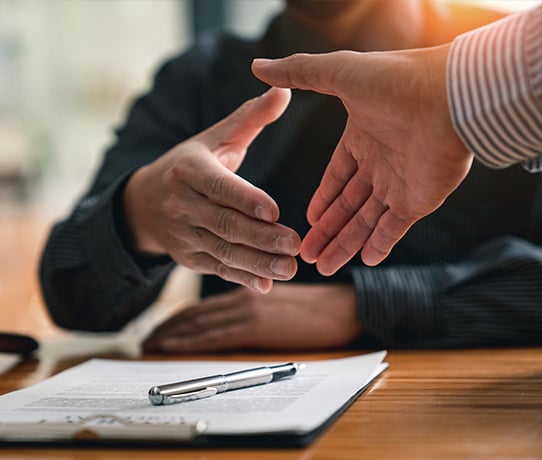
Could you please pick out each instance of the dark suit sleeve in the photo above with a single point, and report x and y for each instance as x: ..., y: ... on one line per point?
x: 89, y: 278
x: 492, y: 297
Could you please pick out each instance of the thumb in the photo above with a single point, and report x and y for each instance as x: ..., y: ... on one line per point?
x: 229, y: 138
x: 303, y: 71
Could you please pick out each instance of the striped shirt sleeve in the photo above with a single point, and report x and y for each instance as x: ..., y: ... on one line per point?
x: 494, y: 82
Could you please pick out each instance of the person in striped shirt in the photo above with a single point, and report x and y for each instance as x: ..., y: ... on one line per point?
x: 416, y: 118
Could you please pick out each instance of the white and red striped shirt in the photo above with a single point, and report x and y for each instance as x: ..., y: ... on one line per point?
x: 494, y: 80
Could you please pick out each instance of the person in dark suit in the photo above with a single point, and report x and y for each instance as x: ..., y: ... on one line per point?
x: 466, y: 275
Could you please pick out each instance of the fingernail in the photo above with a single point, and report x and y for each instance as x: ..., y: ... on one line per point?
x: 261, y: 285
x: 281, y: 267
x: 264, y: 213
x: 260, y: 62
x: 286, y: 245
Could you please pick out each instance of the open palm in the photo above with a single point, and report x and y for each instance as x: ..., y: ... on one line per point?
x: 399, y: 156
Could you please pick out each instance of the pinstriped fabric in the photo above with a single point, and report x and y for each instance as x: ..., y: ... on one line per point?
x: 489, y: 297
x: 494, y: 81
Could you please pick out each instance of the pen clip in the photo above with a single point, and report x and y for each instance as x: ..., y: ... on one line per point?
x: 189, y: 396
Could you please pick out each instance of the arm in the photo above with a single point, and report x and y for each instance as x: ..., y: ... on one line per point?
x: 491, y: 297
x: 89, y: 277
x: 110, y: 258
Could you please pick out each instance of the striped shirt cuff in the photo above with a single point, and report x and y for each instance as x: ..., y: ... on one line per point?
x: 494, y: 82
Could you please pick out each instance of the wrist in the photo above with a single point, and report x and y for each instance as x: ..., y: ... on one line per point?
x: 135, y: 235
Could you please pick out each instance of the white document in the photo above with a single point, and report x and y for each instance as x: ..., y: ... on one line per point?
x: 118, y: 390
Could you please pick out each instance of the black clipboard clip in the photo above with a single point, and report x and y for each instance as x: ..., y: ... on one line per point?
x: 101, y: 428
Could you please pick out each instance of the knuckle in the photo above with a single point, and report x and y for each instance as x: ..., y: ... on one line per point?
x: 335, y: 174
x: 343, y: 247
x: 218, y: 185
x: 198, y: 233
x: 265, y: 240
x: 348, y: 207
x: 379, y: 247
x: 245, y: 108
x: 385, y: 236
x: 297, y: 59
x: 223, y: 271
x: 179, y: 213
x: 256, y: 263
x: 336, y: 177
x: 225, y: 223
x: 327, y: 232
x: 189, y: 260
x: 224, y: 252
x: 180, y: 171
x: 361, y: 221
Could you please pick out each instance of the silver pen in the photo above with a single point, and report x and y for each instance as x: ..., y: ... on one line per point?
x: 209, y: 386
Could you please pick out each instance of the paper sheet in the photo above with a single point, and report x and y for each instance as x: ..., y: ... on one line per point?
x: 119, y: 388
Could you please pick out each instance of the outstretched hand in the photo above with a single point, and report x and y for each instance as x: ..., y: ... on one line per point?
x: 190, y: 204
x: 398, y: 158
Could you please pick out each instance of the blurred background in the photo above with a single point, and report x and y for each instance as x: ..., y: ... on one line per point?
x: 68, y: 71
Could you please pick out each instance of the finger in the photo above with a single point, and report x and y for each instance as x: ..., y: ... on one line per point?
x: 279, y: 267
x: 304, y: 71
x: 335, y: 218
x: 219, y: 322
x: 225, y: 255
x: 212, y: 180
x: 229, y: 337
x: 231, y: 226
x: 341, y: 168
x: 389, y: 230
x: 230, y: 137
x: 213, y: 312
x: 351, y: 238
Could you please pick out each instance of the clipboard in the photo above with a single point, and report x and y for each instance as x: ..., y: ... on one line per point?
x: 232, y: 420
x: 110, y: 430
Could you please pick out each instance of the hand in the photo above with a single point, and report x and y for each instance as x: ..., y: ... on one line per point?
x: 399, y: 156
x: 290, y: 317
x: 190, y: 204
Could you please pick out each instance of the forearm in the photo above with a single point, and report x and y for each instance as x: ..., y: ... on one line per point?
x: 494, y: 80
x: 492, y: 297
x: 89, y: 277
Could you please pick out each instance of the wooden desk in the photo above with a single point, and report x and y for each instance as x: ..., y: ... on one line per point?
x: 471, y: 404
